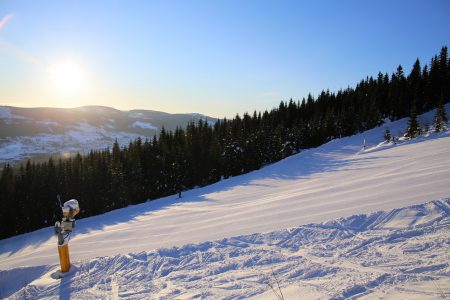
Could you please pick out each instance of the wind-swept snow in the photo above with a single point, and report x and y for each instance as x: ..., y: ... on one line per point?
x: 375, y: 254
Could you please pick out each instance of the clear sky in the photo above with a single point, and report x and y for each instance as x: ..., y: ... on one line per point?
x: 213, y: 57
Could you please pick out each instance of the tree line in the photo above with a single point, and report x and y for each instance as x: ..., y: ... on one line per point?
x: 204, y: 153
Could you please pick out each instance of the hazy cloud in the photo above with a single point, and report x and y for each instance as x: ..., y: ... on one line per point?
x: 12, y: 49
x: 5, y: 20
x: 18, y: 53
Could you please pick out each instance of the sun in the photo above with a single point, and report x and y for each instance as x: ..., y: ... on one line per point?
x: 67, y: 77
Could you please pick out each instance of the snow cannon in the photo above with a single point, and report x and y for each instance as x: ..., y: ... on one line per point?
x: 63, y: 230
x: 70, y: 209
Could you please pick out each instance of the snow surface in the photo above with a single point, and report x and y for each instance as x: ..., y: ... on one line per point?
x: 5, y: 113
x: 38, y: 138
x: 363, y: 255
x: 137, y: 115
x: 225, y: 240
x: 8, y: 116
x: 81, y: 138
x: 144, y: 125
x: 47, y: 122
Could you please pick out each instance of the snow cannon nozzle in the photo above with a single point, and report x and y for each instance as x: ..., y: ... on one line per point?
x: 70, y: 208
x: 63, y: 229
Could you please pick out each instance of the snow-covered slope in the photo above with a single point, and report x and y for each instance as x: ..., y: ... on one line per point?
x: 40, y: 132
x: 336, y: 180
x: 400, y: 253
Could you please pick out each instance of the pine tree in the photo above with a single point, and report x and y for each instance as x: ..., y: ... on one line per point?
x: 415, y: 85
x: 440, y: 118
x: 387, y: 135
x: 7, y: 205
x: 443, y: 72
x: 413, y: 125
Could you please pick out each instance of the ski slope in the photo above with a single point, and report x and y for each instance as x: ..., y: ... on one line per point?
x: 400, y: 254
x: 337, y: 180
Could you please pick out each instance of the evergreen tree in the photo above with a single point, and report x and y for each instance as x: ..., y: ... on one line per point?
x: 387, y: 135
x: 7, y: 208
x: 440, y: 117
x: 444, y: 75
x: 413, y: 125
x: 415, y: 84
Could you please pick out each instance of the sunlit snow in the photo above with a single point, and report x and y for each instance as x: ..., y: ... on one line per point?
x: 337, y: 221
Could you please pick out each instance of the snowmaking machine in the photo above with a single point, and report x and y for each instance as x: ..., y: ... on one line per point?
x: 63, y: 230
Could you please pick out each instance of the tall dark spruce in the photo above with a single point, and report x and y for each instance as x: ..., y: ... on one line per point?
x: 413, y: 128
x: 440, y: 118
x: 202, y: 154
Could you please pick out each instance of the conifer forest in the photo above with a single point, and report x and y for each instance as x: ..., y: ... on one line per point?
x: 204, y: 153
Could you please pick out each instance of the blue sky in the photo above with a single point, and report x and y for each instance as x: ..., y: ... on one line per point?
x: 212, y: 57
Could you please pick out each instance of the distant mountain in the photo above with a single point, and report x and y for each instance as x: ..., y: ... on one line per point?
x: 38, y: 132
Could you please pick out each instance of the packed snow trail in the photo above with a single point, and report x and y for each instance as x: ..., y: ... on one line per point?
x: 335, y: 180
x: 400, y: 253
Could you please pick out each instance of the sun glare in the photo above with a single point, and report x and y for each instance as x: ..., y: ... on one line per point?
x: 67, y: 77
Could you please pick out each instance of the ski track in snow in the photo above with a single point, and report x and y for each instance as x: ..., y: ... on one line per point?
x: 229, y: 240
x: 344, y: 258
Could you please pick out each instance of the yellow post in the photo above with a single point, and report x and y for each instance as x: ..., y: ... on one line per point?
x: 64, y: 260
